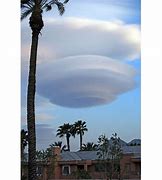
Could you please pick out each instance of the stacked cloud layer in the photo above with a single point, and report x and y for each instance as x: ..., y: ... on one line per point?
x: 83, y: 81
x: 82, y: 62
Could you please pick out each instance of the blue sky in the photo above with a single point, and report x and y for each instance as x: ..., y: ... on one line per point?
x: 122, y: 115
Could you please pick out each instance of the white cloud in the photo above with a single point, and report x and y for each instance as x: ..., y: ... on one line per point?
x: 83, y: 81
x: 40, y: 117
x: 87, y: 45
x: 104, y: 9
x: 45, y: 135
x: 73, y: 36
x: 44, y: 117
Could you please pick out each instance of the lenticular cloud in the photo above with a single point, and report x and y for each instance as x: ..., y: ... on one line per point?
x: 75, y: 36
x: 84, y: 81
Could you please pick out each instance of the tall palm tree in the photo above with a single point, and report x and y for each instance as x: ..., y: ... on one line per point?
x: 36, y: 9
x: 79, y: 128
x: 65, y: 130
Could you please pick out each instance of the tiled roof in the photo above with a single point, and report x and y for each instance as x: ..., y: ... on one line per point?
x: 131, y: 149
x: 69, y: 156
x: 80, y: 155
x: 92, y: 155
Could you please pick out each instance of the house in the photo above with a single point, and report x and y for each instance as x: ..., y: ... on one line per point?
x: 130, y: 164
x: 67, y: 163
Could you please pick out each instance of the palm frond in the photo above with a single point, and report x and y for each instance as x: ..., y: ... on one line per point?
x: 43, y: 2
x: 28, y: 3
x: 48, y: 7
x: 24, y: 6
x: 24, y: 1
x: 25, y: 13
x: 66, y: 1
x: 60, y: 6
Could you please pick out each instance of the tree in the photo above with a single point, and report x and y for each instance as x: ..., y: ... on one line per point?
x: 90, y: 146
x: 65, y: 130
x: 116, y: 154
x: 24, y: 142
x: 59, y: 143
x: 81, y: 174
x: 79, y: 128
x: 35, y: 8
x: 103, y: 154
x: 47, y: 158
x: 109, y: 154
x: 42, y: 155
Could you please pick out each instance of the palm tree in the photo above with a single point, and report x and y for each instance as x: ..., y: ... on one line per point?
x: 90, y: 146
x: 59, y: 143
x: 35, y: 8
x: 79, y: 129
x: 65, y: 130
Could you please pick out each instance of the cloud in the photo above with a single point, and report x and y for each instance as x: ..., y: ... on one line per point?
x: 40, y: 117
x: 84, y: 81
x: 44, y: 117
x: 104, y: 9
x: 45, y: 135
x: 79, y: 61
x: 75, y: 36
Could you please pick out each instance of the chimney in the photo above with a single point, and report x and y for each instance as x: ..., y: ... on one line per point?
x: 57, y: 151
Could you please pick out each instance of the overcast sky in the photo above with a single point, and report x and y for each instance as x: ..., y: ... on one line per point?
x: 88, y: 68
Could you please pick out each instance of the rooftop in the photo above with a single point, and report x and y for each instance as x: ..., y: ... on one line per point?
x: 92, y: 155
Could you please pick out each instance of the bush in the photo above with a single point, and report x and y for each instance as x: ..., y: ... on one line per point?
x: 81, y: 174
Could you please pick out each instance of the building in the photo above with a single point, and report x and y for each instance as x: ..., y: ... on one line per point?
x: 66, y: 164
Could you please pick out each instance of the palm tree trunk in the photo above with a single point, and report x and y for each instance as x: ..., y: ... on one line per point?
x: 36, y: 24
x: 68, y: 142
x: 81, y: 139
x: 31, y: 109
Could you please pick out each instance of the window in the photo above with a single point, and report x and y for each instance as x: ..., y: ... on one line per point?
x: 65, y: 170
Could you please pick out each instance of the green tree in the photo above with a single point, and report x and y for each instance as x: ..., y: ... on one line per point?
x: 116, y: 155
x: 35, y: 8
x: 90, y: 146
x: 65, y: 130
x: 81, y: 174
x: 47, y: 158
x: 42, y: 155
x: 103, y: 154
x: 109, y: 154
x: 24, y: 142
x: 79, y: 128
